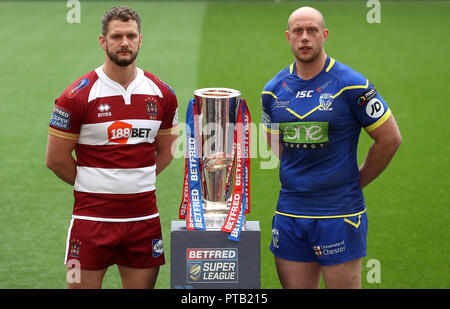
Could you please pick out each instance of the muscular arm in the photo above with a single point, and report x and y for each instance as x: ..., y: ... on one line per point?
x: 59, y: 158
x: 273, y: 141
x: 387, y: 140
x: 164, y: 153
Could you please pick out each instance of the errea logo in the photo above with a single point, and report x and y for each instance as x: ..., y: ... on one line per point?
x: 104, y: 110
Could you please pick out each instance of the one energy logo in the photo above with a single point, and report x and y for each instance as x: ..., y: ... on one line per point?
x: 305, y: 135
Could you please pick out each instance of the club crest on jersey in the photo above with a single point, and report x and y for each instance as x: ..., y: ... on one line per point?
x: 152, y: 107
x: 77, y: 88
x: 275, y: 237
x: 325, y: 100
x: 75, y: 246
x: 158, y: 247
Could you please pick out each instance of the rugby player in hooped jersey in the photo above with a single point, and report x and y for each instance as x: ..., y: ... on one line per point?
x: 121, y: 121
x: 313, y: 112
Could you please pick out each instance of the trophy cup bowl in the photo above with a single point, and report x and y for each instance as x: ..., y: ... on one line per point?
x: 218, y: 109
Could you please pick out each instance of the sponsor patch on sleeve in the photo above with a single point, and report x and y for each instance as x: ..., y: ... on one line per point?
x: 60, y: 118
x: 367, y: 96
x: 77, y: 88
x: 375, y: 108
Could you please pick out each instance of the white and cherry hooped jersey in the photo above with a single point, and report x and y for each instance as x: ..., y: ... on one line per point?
x: 115, y: 131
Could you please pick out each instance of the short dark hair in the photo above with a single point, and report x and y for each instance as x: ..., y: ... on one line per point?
x: 122, y: 13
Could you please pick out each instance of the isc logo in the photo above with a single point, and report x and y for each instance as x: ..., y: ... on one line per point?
x: 119, y: 132
x: 304, y: 94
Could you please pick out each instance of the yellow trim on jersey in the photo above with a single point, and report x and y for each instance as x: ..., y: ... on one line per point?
x: 170, y: 131
x: 271, y: 93
x: 353, y: 223
x: 379, y: 122
x: 305, y: 115
x: 330, y: 65
x: 352, y: 87
x: 61, y: 134
x: 334, y: 96
x: 321, y: 217
x: 269, y: 130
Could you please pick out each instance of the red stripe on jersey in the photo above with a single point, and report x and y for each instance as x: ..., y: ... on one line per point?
x: 115, y: 205
x: 116, y: 156
x: 111, y: 108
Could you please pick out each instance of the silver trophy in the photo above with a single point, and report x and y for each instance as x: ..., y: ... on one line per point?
x: 218, y: 109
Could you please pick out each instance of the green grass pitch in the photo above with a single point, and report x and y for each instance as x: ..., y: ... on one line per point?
x: 239, y: 45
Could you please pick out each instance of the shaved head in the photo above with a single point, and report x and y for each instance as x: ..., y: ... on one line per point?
x: 306, y: 35
x: 308, y: 13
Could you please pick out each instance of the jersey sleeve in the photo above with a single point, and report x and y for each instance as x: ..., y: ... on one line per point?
x: 169, y: 124
x: 67, y: 115
x: 269, y: 126
x: 366, y: 104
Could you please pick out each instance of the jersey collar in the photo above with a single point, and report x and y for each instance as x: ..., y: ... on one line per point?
x: 118, y: 87
x: 327, y: 67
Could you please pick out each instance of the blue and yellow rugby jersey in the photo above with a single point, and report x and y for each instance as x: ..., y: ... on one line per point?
x: 319, y: 122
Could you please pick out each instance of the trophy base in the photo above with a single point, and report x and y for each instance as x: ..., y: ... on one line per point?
x: 215, y: 215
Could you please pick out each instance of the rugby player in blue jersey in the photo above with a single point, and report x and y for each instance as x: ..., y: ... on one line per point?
x: 313, y: 113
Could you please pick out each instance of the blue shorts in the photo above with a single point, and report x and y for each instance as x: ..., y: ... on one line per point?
x: 327, y: 241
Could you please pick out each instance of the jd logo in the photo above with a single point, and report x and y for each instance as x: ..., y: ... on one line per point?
x: 374, y: 108
x: 311, y: 135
